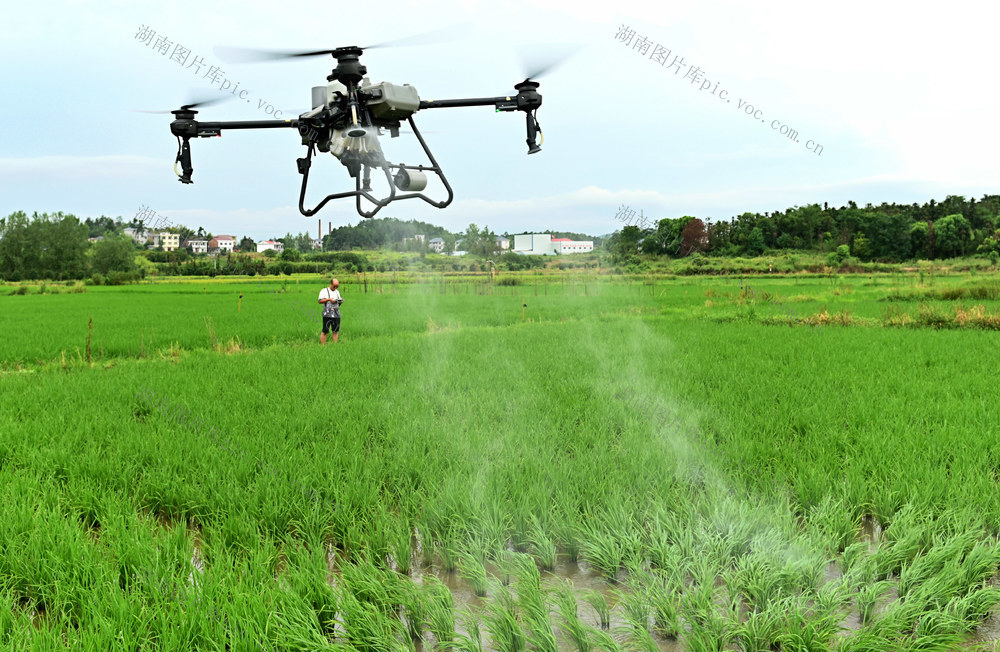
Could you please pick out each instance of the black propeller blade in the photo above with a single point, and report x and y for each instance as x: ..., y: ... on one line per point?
x: 537, y: 61
x: 251, y: 55
x: 205, y: 101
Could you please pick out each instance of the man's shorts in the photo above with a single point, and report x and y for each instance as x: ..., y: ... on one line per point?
x: 331, y: 323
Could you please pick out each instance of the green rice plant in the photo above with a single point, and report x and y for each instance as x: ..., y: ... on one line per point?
x: 803, y: 573
x: 605, y: 642
x: 426, y: 545
x: 366, y: 627
x: 972, y: 608
x: 473, y: 641
x: 568, y: 535
x: 572, y: 627
x: 533, y: 606
x: 662, y: 592
x: 544, y: 548
x: 758, y: 581
x: 635, y: 608
x: 638, y: 637
x: 940, y: 623
x: 377, y: 586
x: 448, y: 551
x: 834, y: 596
x: 835, y: 522
x: 708, y: 633
x: 869, y: 596
x: 761, y: 632
x: 501, y: 619
x: 805, y: 628
x: 851, y: 556
x: 414, y: 610
x: 472, y: 569
x: 506, y: 566
x: 599, y: 603
x: 402, y: 549
x: 440, y: 613
x: 604, y: 552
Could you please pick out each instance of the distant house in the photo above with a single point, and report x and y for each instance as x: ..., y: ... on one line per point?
x: 420, y: 237
x: 95, y: 239
x: 436, y: 244
x: 274, y: 245
x: 139, y: 236
x: 224, y: 243
x: 197, y: 246
x: 503, y: 244
x: 543, y: 243
x: 567, y: 246
x: 169, y: 241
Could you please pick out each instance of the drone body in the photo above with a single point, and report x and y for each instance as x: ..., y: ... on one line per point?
x: 348, y: 115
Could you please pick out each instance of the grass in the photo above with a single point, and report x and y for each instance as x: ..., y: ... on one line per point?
x: 269, y: 496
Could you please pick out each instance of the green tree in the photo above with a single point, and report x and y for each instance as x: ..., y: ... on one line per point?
x: 755, y: 242
x: 920, y: 240
x: 291, y: 255
x: 624, y: 245
x: 114, y: 254
x: 952, y: 236
x: 43, y: 247
x: 861, y: 248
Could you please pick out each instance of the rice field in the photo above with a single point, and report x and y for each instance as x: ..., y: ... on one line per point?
x: 564, y: 463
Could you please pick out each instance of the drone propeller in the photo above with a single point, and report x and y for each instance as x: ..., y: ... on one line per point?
x: 251, y: 55
x: 207, y: 101
x: 538, y: 62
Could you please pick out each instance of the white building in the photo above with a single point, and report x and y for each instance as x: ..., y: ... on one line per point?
x: 197, y: 246
x: 264, y: 245
x: 503, y: 244
x: 567, y: 246
x: 140, y: 237
x: 533, y: 244
x: 224, y: 243
x: 537, y: 244
x: 436, y: 244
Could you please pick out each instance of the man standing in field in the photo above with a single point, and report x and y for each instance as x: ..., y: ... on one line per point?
x: 331, y: 300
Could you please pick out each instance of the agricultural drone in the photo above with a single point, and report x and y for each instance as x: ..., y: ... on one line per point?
x: 348, y: 115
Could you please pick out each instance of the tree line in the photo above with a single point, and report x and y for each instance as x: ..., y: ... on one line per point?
x: 952, y: 228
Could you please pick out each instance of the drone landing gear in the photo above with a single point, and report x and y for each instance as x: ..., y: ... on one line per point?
x: 363, y: 191
x: 184, y: 158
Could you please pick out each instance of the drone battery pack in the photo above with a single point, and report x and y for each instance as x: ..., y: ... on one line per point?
x: 395, y: 102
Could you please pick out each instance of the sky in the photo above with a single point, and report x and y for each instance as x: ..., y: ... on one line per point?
x: 665, y: 109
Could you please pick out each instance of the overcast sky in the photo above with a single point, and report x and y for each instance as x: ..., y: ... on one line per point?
x: 900, y: 97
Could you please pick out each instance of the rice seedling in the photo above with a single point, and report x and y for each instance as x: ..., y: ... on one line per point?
x: 472, y: 569
x: 599, y: 604
x: 440, y: 613
x: 533, y: 606
x: 414, y: 611
x: 869, y: 596
x: 501, y: 620
x: 473, y: 641
x: 571, y: 626
x: 402, y: 549
x: 542, y: 546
